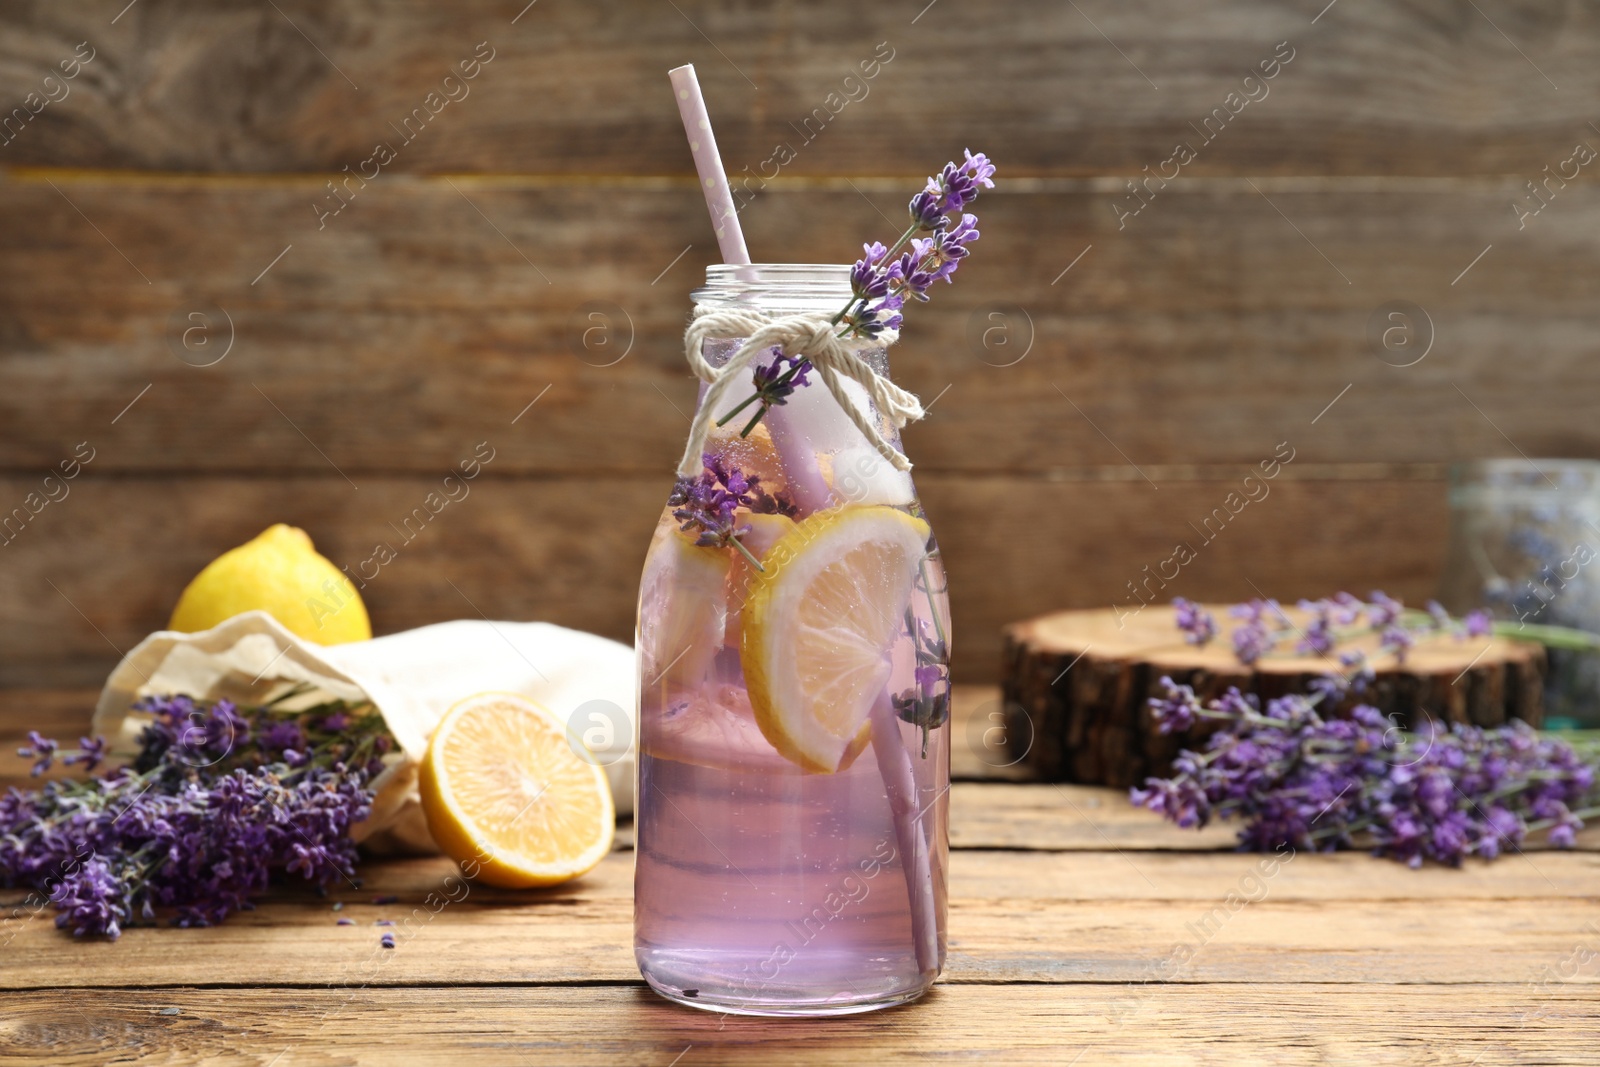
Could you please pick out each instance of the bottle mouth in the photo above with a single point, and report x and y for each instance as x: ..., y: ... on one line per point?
x: 1513, y: 481
x: 778, y: 287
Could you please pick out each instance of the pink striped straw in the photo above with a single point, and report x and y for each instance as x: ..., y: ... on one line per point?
x: 713, y: 179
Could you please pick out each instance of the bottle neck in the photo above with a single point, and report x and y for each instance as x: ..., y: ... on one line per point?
x: 779, y: 289
x: 776, y: 288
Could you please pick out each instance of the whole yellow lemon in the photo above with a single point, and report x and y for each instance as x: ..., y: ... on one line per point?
x: 280, y: 573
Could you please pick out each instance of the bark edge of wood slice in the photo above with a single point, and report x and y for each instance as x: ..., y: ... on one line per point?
x: 1076, y: 685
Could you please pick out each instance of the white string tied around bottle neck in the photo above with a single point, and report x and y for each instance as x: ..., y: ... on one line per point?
x: 813, y: 337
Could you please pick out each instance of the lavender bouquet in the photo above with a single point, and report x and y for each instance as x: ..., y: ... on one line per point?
x: 1292, y: 777
x: 218, y: 800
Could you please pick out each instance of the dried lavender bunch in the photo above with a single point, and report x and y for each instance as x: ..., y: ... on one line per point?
x: 218, y: 800
x: 1436, y: 793
x: 883, y: 277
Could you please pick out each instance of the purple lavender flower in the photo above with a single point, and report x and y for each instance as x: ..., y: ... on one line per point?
x: 1318, y: 638
x: 1398, y: 640
x: 881, y: 280
x: 710, y: 503
x: 1179, y: 799
x: 1198, y: 624
x: 777, y: 381
x: 1347, y: 608
x: 956, y: 186
x: 90, y: 900
x: 40, y: 749
x: 1264, y: 623
x: 943, y: 252
x: 927, y: 703
x: 212, y: 807
x: 91, y: 753
x: 1383, y: 610
x: 1176, y: 709
x: 1295, y: 778
x: 869, y: 277
x: 282, y: 736
x: 1251, y: 641
x: 1355, y: 677
x: 910, y: 277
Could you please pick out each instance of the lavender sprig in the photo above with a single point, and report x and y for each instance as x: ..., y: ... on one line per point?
x: 1293, y: 778
x: 218, y: 800
x: 882, y: 279
x: 774, y: 385
x: 927, y: 703
x: 1264, y: 626
x: 709, y: 504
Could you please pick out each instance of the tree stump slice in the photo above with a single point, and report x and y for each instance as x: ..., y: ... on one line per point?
x: 1077, y: 685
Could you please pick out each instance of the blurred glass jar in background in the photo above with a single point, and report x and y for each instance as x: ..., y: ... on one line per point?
x: 1525, y: 545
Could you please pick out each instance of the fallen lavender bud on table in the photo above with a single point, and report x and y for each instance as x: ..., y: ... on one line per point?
x: 1291, y: 777
x: 219, y: 799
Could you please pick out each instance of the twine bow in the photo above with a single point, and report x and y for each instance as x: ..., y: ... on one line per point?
x: 812, y: 336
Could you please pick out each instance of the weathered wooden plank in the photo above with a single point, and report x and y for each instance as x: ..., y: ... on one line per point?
x: 1157, y: 1026
x: 1434, y: 87
x: 1205, y: 333
x: 1017, y: 940
x: 1014, y: 917
x: 95, y: 572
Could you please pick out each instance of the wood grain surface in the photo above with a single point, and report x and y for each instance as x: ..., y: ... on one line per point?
x: 1204, y: 335
x: 1159, y: 1026
x: 1096, y: 381
x: 1079, y: 927
x: 91, y: 575
x: 1429, y: 87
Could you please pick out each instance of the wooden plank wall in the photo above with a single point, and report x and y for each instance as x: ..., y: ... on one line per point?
x: 184, y: 171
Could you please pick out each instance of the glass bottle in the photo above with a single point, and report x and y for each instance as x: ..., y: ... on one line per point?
x: 792, y: 799
x: 1525, y: 544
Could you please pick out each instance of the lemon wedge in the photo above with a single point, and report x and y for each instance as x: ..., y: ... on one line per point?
x: 819, y: 626
x: 509, y: 794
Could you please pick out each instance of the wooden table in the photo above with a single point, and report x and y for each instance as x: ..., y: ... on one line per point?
x: 1082, y: 931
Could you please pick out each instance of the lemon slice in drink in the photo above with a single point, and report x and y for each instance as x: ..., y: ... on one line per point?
x: 819, y: 626
x: 509, y: 796
x: 681, y: 620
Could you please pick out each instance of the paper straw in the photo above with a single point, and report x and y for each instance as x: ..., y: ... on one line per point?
x: 713, y: 180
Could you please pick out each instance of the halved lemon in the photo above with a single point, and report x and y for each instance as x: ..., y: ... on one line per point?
x: 509, y: 795
x: 820, y: 625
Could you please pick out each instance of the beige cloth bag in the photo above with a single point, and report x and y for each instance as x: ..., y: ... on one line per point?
x: 411, y: 677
